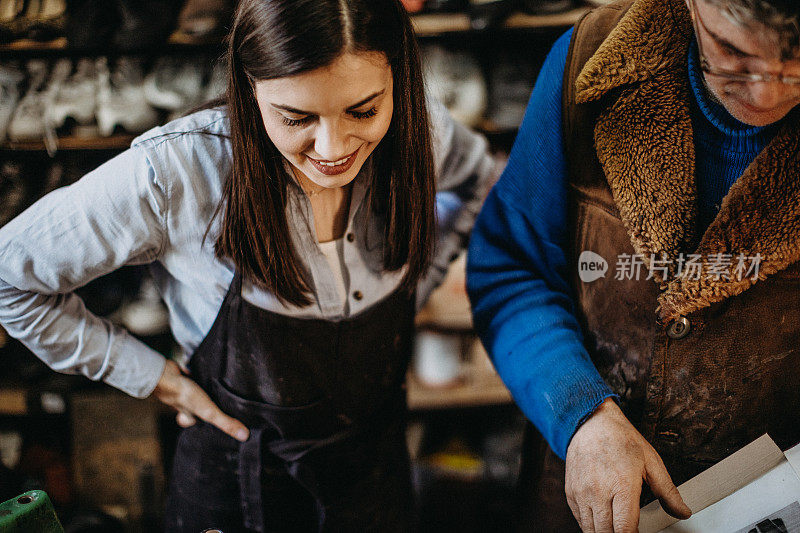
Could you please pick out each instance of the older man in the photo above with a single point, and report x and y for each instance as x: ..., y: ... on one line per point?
x: 635, y: 274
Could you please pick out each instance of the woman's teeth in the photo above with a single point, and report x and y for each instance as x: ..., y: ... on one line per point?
x: 334, y: 163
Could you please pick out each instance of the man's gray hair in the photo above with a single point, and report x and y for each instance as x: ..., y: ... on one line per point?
x: 783, y: 16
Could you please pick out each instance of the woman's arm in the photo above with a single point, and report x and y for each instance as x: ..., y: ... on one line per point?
x: 113, y: 216
x: 464, y: 170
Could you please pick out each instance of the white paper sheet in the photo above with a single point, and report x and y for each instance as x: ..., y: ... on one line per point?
x: 755, y: 490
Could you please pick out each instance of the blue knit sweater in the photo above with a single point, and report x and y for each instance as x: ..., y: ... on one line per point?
x: 517, y: 270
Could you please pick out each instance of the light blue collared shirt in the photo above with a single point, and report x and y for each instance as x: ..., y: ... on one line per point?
x: 152, y: 204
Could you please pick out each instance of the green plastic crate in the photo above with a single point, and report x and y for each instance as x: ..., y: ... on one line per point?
x: 31, y: 512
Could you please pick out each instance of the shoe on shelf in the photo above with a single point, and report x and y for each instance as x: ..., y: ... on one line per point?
x: 204, y: 19
x: 120, y: 99
x: 176, y: 83
x: 445, y: 6
x: 510, y: 86
x: 27, y: 121
x: 10, y: 80
x: 485, y: 14
x: 146, y: 315
x: 75, y: 98
x: 143, y: 24
x: 456, y: 80
x: 49, y: 21
x: 90, y: 24
x: 61, y: 172
x: 11, y: 14
x: 217, y: 82
x: 13, y: 193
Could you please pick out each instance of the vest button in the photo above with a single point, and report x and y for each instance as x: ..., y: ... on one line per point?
x: 358, y: 296
x: 679, y: 328
x: 350, y: 237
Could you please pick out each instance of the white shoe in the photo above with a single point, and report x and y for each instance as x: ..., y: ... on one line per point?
x: 511, y: 84
x: 120, y: 99
x: 217, y: 81
x: 456, y: 79
x: 175, y: 83
x: 75, y: 97
x: 27, y: 121
x: 10, y: 78
x: 146, y: 315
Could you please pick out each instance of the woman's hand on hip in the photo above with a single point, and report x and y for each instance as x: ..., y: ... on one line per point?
x: 191, y: 402
x: 607, y: 461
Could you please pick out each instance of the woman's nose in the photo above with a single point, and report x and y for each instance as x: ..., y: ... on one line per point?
x: 331, y: 141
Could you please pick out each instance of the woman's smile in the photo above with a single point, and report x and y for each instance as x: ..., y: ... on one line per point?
x: 332, y: 168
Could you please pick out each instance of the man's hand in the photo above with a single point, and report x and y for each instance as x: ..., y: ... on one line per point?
x: 186, y: 396
x: 607, y: 460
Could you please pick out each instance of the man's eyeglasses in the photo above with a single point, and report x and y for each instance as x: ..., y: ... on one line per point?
x: 740, y: 74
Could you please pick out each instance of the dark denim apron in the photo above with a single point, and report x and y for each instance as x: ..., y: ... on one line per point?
x: 325, y: 405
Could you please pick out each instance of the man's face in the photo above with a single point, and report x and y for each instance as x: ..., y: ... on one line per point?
x: 752, y: 49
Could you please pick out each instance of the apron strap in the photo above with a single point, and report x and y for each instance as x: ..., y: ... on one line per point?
x: 250, y: 481
x: 236, y: 284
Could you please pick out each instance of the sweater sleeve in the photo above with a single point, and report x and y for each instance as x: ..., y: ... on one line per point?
x: 516, y: 274
x: 111, y: 217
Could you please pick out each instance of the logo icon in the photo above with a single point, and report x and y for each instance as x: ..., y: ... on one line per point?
x: 591, y: 266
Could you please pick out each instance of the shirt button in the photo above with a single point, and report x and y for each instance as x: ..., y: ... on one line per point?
x: 679, y: 328
x: 350, y: 237
x: 358, y: 296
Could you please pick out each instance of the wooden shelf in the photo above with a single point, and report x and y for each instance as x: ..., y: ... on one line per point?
x: 176, y: 40
x: 479, y: 385
x: 426, y: 25
x: 447, y: 309
x: 431, y: 24
x: 24, y: 45
x: 13, y: 402
x: 114, y: 142
x: 488, y: 390
x: 555, y: 20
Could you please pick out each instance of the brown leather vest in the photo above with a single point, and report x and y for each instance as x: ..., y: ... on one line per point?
x: 702, y: 366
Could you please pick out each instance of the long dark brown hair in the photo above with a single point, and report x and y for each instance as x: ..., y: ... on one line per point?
x: 276, y: 38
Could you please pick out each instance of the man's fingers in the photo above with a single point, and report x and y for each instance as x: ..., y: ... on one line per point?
x: 602, y: 518
x: 573, y: 506
x: 625, y: 508
x: 666, y: 491
x: 587, y: 519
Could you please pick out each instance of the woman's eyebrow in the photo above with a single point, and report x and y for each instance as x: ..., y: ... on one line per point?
x: 367, y: 99
x: 352, y: 107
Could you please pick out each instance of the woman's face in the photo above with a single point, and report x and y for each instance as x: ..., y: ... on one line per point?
x: 326, y: 122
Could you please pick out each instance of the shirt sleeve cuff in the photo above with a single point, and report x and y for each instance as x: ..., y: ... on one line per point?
x: 136, y: 368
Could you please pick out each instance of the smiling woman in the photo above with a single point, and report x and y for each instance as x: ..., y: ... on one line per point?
x: 308, y: 67
x: 290, y: 230
x: 327, y: 136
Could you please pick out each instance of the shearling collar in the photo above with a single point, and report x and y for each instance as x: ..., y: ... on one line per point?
x: 645, y: 145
